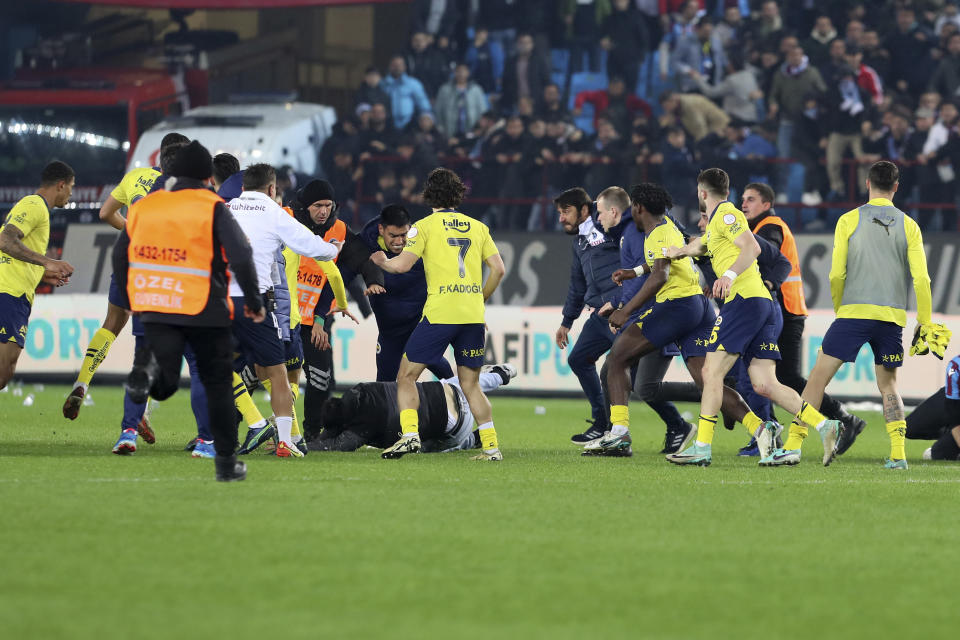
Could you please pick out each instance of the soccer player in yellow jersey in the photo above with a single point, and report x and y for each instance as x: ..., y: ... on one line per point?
x: 678, y: 313
x: 24, y: 262
x: 745, y: 327
x: 454, y: 248
x: 876, y: 250
x: 136, y: 184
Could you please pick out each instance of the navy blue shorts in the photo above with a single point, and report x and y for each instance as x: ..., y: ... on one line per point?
x: 428, y: 342
x: 684, y: 321
x: 749, y: 327
x: 668, y: 350
x: 14, y: 317
x: 293, y: 350
x: 115, y: 298
x: 260, y: 342
x: 846, y: 335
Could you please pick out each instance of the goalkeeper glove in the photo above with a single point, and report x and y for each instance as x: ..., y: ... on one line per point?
x: 930, y: 337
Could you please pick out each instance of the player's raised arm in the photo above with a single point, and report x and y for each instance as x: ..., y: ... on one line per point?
x: 693, y: 249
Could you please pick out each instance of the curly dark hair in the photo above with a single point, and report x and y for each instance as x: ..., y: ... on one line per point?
x: 653, y: 197
x: 443, y: 189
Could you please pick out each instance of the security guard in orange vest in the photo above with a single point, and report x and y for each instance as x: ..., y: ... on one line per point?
x: 758, y: 199
x: 316, y: 208
x: 171, y: 262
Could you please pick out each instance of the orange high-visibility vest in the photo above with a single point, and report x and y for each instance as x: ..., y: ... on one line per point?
x: 311, y: 278
x: 171, y: 251
x: 792, y: 288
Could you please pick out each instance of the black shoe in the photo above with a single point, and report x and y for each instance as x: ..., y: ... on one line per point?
x: 852, y: 426
x: 592, y: 433
x: 675, y: 437
x: 144, y: 372
x: 191, y: 445
x: 229, y: 469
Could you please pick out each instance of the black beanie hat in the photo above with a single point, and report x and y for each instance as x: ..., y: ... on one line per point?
x: 192, y: 161
x: 315, y: 190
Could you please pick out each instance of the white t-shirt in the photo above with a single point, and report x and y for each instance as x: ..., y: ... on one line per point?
x: 268, y: 228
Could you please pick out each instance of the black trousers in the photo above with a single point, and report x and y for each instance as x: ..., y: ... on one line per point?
x: 318, y: 365
x: 933, y: 420
x: 789, y: 368
x: 213, y: 347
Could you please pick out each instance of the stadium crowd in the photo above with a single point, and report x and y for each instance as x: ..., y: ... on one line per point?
x: 524, y: 97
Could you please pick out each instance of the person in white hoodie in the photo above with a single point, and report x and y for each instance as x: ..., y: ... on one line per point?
x: 268, y: 228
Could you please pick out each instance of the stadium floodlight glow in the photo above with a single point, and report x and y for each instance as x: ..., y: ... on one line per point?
x: 69, y: 133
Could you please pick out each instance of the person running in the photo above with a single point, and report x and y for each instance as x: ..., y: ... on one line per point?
x: 454, y: 248
x: 876, y: 251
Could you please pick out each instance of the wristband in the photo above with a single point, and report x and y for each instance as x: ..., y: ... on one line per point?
x: 730, y: 273
x: 638, y: 271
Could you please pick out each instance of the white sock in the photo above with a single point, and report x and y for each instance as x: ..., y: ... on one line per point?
x: 619, y: 430
x: 82, y: 385
x: 260, y: 424
x: 284, y: 428
x: 701, y: 444
x: 490, y: 381
x: 296, y: 439
x: 820, y: 426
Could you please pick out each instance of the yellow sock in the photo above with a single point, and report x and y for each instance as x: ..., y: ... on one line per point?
x: 295, y: 391
x: 96, y: 351
x: 795, y: 438
x: 897, y: 430
x: 488, y: 436
x: 244, y: 403
x: 620, y: 414
x: 267, y: 385
x: 810, y: 416
x: 752, y: 422
x: 705, y: 428
x: 410, y: 423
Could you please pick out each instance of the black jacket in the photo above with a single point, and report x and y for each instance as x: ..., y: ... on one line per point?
x: 538, y: 76
x: 227, y: 238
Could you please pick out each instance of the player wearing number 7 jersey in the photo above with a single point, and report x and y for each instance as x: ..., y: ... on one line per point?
x: 454, y: 248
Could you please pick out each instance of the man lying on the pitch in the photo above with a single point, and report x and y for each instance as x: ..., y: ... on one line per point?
x: 368, y: 414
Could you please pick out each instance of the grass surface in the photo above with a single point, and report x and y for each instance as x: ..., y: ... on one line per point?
x: 544, y: 545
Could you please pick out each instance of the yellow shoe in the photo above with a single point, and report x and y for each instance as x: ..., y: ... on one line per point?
x: 494, y: 455
x: 288, y: 451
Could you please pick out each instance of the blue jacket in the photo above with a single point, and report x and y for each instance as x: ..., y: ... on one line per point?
x: 232, y: 187
x: 407, y: 98
x: 596, y: 256
x: 402, y: 304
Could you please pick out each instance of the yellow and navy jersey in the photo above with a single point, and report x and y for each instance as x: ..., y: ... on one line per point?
x: 32, y: 217
x: 136, y: 184
x: 453, y: 248
x: 726, y: 225
x: 682, y: 280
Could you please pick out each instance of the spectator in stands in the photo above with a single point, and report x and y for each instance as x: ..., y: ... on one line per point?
x: 874, y: 55
x: 526, y: 107
x: 363, y: 116
x: 613, y: 103
x: 867, y: 78
x: 696, y: 114
x: 809, y: 143
x: 480, y: 57
x: 499, y: 19
x: 678, y: 26
x: 949, y: 15
x: 460, y: 103
x: 380, y: 138
x: 679, y: 172
x: 429, y: 141
x: 929, y: 185
x: 525, y: 74
x: 551, y: 104
x: 817, y: 45
x: 345, y: 135
x: 739, y: 89
x: 539, y: 154
x: 370, y: 90
x: 437, y: 18
x: 941, y: 174
x: 702, y: 53
x: 406, y: 94
x: 609, y: 154
x: 854, y: 34
x: 946, y: 79
x: 583, y: 20
x: 343, y: 176
x: 769, y: 66
x: 911, y: 43
x: 791, y: 85
x: 730, y: 29
x: 848, y: 106
x: 767, y: 25
x: 624, y: 36
x: 508, y: 156
x: 410, y: 186
x: 426, y: 63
